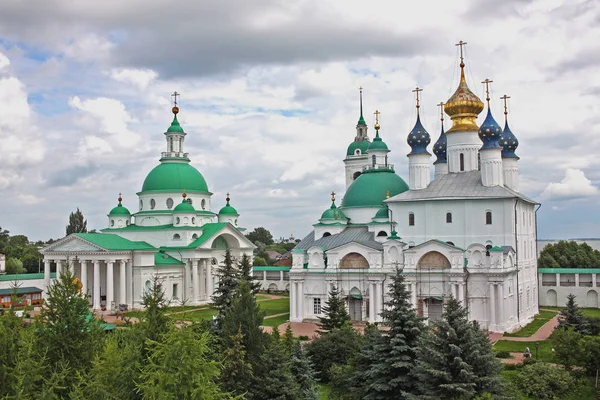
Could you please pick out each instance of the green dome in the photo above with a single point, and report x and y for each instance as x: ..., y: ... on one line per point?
x: 175, y: 127
x: 378, y: 144
x: 119, y: 210
x: 228, y: 210
x: 333, y: 213
x: 382, y: 213
x: 184, y: 207
x: 370, y: 188
x: 363, y: 145
x: 174, y: 177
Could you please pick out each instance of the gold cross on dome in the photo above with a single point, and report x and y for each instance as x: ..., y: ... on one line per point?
x: 175, y: 94
x: 505, y: 97
x: 417, y: 90
x: 332, y: 196
x: 376, y: 116
x: 441, y: 106
x: 487, y: 89
x: 461, y: 44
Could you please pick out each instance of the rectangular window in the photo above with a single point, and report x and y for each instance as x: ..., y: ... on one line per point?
x: 317, y: 306
x: 175, y: 287
x: 411, y: 219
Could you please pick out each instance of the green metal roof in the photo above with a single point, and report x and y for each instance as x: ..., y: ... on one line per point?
x: 369, y: 189
x: 110, y: 241
x: 184, y: 207
x: 569, y: 270
x: 208, y: 231
x: 119, y: 210
x: 378, y: 143
x: 175, y: 127
x: 382, y: 213
x: 228, y: 210
x: 163, y: 259
x: 497, y: 248
x: 270, y: 268
x: 333, y: 214
x: 363, y: 145
x: 175, y: 177
x: 20, y: 290
x: 24, y: 277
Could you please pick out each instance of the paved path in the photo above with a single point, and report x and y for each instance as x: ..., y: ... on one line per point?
x: 541, y: 334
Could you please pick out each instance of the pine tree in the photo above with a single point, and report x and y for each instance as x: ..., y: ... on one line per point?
x: 303, y: 374
x: 364, y: 372
x: 454, y: 360
x: 273, y: 377
x: 154, y: 320
x: 335, y: 312
x: 389, y: 376
x: 236, y: 376
x: 246, y: 273
x: 572, y: 317
x: 288, y: 340
x: 225, y: 294
x: 77, y: 223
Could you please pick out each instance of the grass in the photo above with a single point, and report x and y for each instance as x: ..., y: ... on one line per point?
x: 195, y: 316
x: 276, y: 321
x: 588, y: 312
x: 531, y: 328
x: 544, y: 351
x: 271, y: 307
x: 277, y: 306
x: 582, y: 393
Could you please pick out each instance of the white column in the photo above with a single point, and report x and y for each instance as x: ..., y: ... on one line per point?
x: 122, y: 282
x: 376, y: 295
x: 196, y: 280
x: 129, y: 267
x: 209, y: 279
x: 202, y: 280
x: 419, y: 174
x: 492, y: 306
x: 461, y: 294
x: 59, y: 268
x: 96, y: 294
x: 110, y: 284
x: 300, y: 298
x: 593, y: 280
x: 501, y: 303
x: 84, y: 277
x: 47, y: 275
x: 492, y: 173
x: 414, y: 295
x: 292, y: 301
x: 371, y: 302
x: 576, y: 280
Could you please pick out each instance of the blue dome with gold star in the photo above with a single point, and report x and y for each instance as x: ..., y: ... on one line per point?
x: 418, y: 138
x: 490, y: 132
x: 509, y: 143
x: 439, y: 148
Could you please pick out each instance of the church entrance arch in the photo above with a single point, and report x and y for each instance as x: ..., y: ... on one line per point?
x: 355, y: 304
x: 551, y: 298
x: 353, y: 261
x: 592, y: 299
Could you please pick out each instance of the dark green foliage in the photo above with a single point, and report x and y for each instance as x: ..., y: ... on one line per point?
x: 389, y: 376
x: 336, y: 347
x: 77, y: 223
x: 225, y: 294
x: 273, y: 377
x: 365, y: 373
x: 247, y: 275
x: 569, y: 255
x: 571, y: 317
x: 303, y: 374
x: 9, y: 347
x: 154, y: 320
x: 259, y: 261
x: 455, y: 359
x: 260, y: 234
x: 544, y: 381
x: 14, y: 266
x: 236, y: 376
x: 335, y: 312
x: 567, y: 350
x: 25, y: 254
x: 288, y: 340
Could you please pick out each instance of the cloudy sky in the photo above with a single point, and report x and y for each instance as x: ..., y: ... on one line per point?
x: 269, y: 98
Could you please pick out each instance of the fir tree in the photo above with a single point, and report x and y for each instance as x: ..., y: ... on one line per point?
x: 77, y: 223
x: 288, y: 340
x: 364, y: 372
x: 303, y: 374
x: 236, y: 376
x: 389, y: 376
x: 246, y: 274
x: 450, y: 353
x: 154, y: 320
x: 572, y: 317
x: 225, y: 294
x: 273, y: 377
x: 335, y: 312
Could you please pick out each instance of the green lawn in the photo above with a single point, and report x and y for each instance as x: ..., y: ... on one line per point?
x: 195, y: 316
x: 544, y: 352
x: 531, y: 328
x: 271, y: 307
x: 277, y: 306
x: 588, y: 312
x: 276, y: 321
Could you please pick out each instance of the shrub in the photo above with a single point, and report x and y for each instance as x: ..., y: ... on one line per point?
x: 503, y: 354
x: 543, y: 381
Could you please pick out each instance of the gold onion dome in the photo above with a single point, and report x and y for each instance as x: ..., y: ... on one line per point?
x: 463, y: 106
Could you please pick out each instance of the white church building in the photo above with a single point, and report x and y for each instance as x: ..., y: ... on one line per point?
x: 175, y: 235
x: 469, y: 233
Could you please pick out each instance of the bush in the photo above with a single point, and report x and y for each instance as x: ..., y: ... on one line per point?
x: 335, y: 347
x: 503, y: 354
x: 543, y: 381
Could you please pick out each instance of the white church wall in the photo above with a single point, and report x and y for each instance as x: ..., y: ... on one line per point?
x: 200, y: 201
x: 360, y: 215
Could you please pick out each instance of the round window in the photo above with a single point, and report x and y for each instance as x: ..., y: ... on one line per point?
x: 189, y: 200
x: 203, y: 204
x: 357, y: 152
x: 169, y: 203
x: 194, y: 236
x: 152, y: 204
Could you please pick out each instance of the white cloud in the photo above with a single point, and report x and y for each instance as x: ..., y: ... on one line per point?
x: 30, y: 199
x: 574, y: 185
x: 4, y: 61
x: 88, y: 47
x: 138, y: 77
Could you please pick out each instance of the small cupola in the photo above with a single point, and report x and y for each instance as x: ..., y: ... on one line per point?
x: 333, y: 215
x: 184, y: 214
x: 119, y: 216
x: 228, y: 213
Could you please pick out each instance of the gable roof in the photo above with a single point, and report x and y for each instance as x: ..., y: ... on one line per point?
x: 352, y: 234
x: 208, y: 231
x: 463, y: 185
x: 163, y: 259
x: 110, y: 241
x: 20, y: 290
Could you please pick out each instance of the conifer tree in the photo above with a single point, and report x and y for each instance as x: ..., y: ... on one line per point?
x: 335, y: 312
x: 572, y: 317
x: 273, y: 377
x: 77, y: 223
x: 303, y: 374
x: 364, y: 372
x: 246, y: 274
x: 389, y: 376
x: 229, y: 277
x: 450, y: 353
x: 288, y: 340
x: 154, y: 320
x: 236, y: 376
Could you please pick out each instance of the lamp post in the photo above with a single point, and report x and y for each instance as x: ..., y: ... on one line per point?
x: 537, y: 345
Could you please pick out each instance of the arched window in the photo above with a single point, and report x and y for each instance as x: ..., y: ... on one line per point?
x: 356, y: 175
x: 112, y: 222
x: 141, y: 205
x: 169, y: 203
x: 461, y: 160
x: 374, y: 159
x: 189, y: 200
x: 127, y: 223
x: 357, y: 152
x: 176, y: 236
x: 488, y: 217
x: 487, y: 250
x: 411, y: 219
x: 177, y: 220
x: 152, y: 204
x: 382, y: 234
x: 193, y: 220
x: 326, y: 234
x: 235, y: 222
x: 448, y: 218
x: 203, y: 204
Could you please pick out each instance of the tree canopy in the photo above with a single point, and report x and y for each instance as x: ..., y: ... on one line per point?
x: 260, y: 234
x: 569, y: 254
x: 77, y: 223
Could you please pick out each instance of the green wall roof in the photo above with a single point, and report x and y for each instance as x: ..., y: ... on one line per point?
x: 163, y: 259
x: 270, y: 268
x: 24, y: 277
x: 569, y: 270
x: 110, y: 241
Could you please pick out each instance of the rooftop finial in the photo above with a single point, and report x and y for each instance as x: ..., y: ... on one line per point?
x: 387, y: 194
x: 441, y: 106
x: 487, y: 90
x: 120, y: 198
x: 505, y: 98
x: 417, y: 90
x: 332, y: 196
x: 175, y: 108
x: 184, y: 195
x: 460, y: 44
x: 227, y: 198
x: 361, y: 89
x: 377, y: 126
x: 361, y: 120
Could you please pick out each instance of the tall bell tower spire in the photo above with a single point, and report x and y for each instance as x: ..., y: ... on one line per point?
x: 356, y: 155
x: 175, y: 137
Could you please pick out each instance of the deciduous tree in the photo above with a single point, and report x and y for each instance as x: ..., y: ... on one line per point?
x: 77, y: 223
